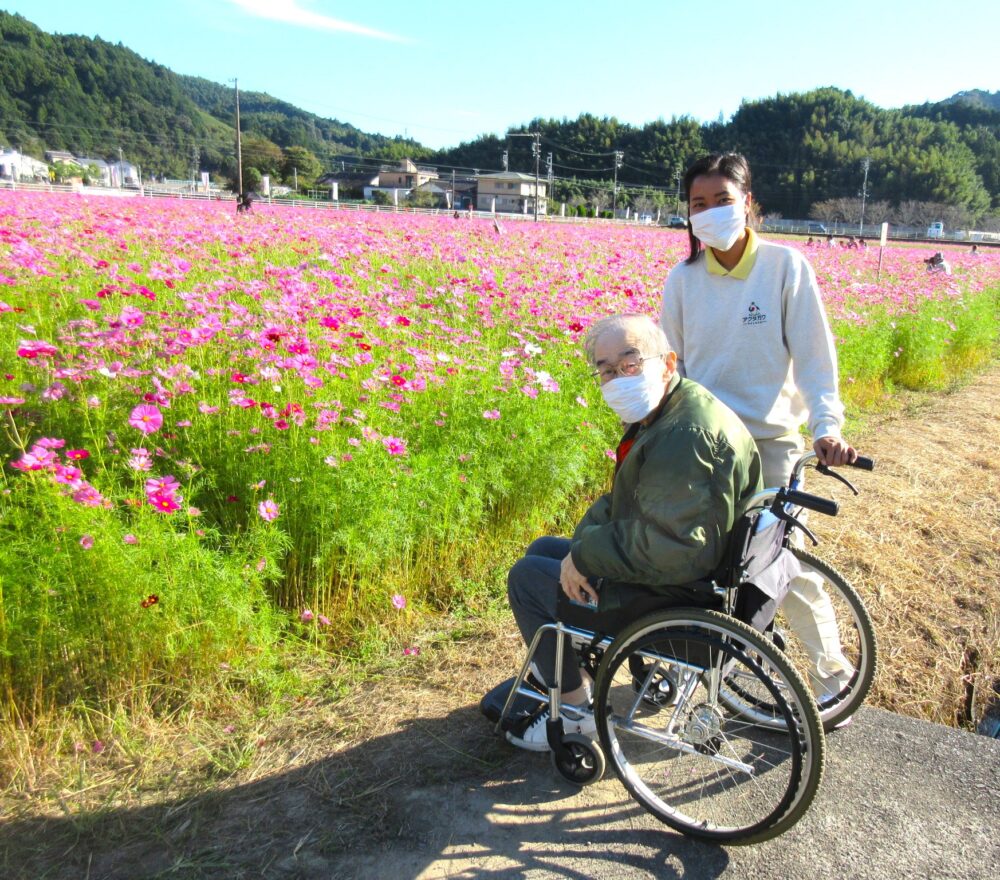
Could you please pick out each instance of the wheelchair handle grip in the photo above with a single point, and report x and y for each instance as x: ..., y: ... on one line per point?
x: 811, y: 502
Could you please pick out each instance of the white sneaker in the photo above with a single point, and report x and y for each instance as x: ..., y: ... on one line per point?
x: 533, y: 735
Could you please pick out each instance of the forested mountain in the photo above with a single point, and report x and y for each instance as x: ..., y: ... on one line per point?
x: 803, y: 148
x: 806, y: 150
x: 92, y: 97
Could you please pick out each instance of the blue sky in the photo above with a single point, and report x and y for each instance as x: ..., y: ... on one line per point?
x: 443, y: 71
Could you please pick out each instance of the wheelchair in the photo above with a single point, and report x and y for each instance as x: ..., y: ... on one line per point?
x: 704, y: 719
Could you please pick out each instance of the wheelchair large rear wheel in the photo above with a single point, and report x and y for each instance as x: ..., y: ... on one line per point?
x: 838, y: 697
x: 692, y: 762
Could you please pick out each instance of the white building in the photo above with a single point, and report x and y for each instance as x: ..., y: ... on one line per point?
x: 510, y: 192
x: 89, y: 164
x: 16, y: 166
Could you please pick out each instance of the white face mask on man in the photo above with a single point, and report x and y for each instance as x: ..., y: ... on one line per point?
x: 720, y: 227
x: 634, y: 397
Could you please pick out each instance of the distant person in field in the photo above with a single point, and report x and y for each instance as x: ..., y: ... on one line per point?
x: 938, y: 263
x: 746, y: 318
x: 244, y: 203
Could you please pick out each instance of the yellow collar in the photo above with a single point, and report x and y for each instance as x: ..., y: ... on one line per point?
x: 742, y: 269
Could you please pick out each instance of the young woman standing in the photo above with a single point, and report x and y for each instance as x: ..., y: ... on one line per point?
x: 746, y: 320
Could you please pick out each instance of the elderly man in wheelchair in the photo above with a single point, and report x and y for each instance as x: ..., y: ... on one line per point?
x: 635, y: 649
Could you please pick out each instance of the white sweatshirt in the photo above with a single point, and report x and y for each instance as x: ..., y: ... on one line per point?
x: 761, y: 345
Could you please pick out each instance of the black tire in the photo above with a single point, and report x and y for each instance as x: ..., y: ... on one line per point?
x: 696, y: 765
x: 836, y: 704
x: 585, y: 764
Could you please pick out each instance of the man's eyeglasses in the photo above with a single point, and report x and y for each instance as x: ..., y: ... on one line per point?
x: 630, y: 365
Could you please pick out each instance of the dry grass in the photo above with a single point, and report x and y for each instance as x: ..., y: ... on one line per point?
x: 920, y: 543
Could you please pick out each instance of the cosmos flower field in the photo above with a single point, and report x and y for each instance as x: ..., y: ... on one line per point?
x: 219, y: 431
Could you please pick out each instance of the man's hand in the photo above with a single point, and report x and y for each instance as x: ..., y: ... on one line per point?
x: 834, y: 451
x: 574, y: 584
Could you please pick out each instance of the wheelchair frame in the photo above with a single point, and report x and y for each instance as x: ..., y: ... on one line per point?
x: 712, y: 732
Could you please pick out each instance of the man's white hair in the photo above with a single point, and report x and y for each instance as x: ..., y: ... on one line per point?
x: 650, y: 338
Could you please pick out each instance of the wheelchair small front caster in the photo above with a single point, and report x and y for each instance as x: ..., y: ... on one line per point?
x: 584, y: 762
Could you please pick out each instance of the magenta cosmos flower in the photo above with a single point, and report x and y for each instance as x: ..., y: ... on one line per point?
x: 147, y: 418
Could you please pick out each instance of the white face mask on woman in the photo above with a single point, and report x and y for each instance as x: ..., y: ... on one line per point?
x: 720, y: 227
x: 634, y: 397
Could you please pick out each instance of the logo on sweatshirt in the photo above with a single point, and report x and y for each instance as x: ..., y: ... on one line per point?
x: 754, y: 315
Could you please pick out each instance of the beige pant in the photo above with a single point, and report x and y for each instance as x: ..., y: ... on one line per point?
x: 807, y: 607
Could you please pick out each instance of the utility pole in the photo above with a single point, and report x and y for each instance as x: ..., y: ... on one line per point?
x: 548, y: 174
x: 453, y: 188
x: 864, y: 195
x: 619, y: 156
x: 239, y: 141
x: 536, y: 151
x: 677, y: 198
x: 121, y: 169
x: 504, y: 160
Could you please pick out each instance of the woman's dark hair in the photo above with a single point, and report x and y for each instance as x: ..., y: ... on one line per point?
x: 732, y: 166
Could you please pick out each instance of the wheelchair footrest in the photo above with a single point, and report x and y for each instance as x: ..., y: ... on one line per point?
x: 491, y: 705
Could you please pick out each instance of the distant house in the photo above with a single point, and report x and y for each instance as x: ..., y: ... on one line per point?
x: 351, y: 184
x: 440, y: 190
x: 15, y: 166
x: 53, y: 156
x: 510, y: 192
x: 406, y: 176
x: 124, y: 174
x: 89, y: 164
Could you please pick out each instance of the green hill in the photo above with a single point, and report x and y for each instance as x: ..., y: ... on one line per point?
x: 92, y: 97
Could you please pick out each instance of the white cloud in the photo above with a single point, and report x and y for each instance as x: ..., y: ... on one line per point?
x: 289, y: 12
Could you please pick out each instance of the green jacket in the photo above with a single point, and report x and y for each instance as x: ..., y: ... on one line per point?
x: 674, y: 499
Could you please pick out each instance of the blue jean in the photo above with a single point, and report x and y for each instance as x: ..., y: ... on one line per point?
x: 533, y: 591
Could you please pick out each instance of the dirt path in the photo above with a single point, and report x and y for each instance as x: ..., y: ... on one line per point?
x: 406, y: 779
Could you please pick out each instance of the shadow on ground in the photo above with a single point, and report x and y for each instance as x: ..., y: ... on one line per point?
x: 440, y: 797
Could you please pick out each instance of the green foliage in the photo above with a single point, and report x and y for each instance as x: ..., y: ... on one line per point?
x: 301, y: 165
x: 929, y: 348
x: 74, y: 581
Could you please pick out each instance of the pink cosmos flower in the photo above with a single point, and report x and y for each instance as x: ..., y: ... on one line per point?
x: 306, y: 616
x: 268, y: 510
x: 130, y: 538
x: 140, y: 460
x: 394, y: 445
x: 67, y: 475
x: 86, y: 541
x: 88, y: 496
x: 35, y: 348
x: 147, y: 418
x: 398, y: 602
x: 165, y: 484
x: 164, y: 502
x: 492, y: 414
x: 323, y: 621
x: 77, y: 454
x: 411, y: 652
